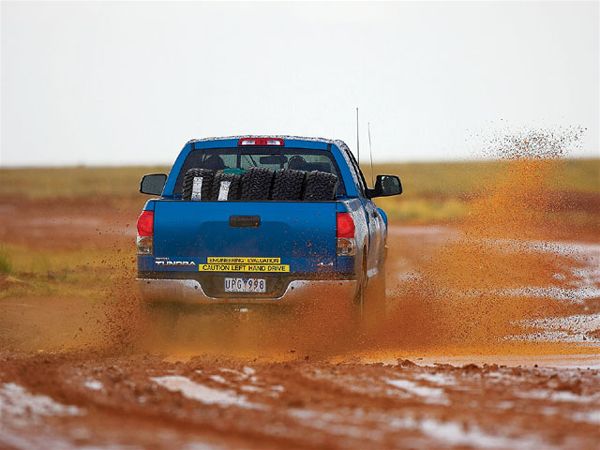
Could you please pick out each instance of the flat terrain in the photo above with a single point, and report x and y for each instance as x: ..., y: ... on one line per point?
x: 490, y: 339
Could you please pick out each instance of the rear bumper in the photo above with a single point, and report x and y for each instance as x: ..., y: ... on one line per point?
x: 190, y: 291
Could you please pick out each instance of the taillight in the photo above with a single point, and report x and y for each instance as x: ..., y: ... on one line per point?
x: 261, y: 142
x: 145, y: 228
x: 145, y: 223
x: 346, y: 245
x: 345, y: 225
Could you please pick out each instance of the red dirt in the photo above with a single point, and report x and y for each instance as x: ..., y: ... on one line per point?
x: 302, y: 404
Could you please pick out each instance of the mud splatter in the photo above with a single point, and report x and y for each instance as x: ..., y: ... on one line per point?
x: 461, y: 293
x: 533, y: 143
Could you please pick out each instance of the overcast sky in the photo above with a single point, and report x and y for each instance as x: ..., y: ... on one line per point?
x: 112, y: 83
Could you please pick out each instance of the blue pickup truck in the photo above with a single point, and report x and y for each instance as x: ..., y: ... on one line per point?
x: 262, y: 219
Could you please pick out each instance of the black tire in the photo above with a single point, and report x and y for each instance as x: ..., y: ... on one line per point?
x: 358, y: 302
x: 370, y: 300
x: 359, y: 296
x: 288, y: 185
x: 207, y: 182
x: 320, y: 186
x: 234, y: 181
x: 256, y: 184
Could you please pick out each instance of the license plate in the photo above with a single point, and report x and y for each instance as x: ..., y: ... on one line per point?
x: 258, y: 285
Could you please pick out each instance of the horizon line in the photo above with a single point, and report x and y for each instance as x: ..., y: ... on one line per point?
x: 105, y: 165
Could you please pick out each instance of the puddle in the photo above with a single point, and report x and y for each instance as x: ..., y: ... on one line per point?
x: 565, y: 329
x: 203, y: 394
x: 430, y: 394
x: 436, y: 378
x: 558, y: 396
x: 93, y: 385
x: 17, y: 402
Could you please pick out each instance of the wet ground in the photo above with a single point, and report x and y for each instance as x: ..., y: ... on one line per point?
x: 488, y: 341
x: 143, y: 401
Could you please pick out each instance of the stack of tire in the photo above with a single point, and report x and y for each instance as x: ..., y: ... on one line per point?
x: 197, y: 184
x: 319, y: 186
x: 259, y: 184
x: 256, y: 184
x: 226, y: 186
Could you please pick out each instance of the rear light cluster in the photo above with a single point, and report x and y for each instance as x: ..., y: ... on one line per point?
x: 346, y: 245
x: 345, y: 229
x: 145, y: 233
x: 261, y: 142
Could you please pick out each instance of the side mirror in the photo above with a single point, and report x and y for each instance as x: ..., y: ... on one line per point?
x: 385, y: 186
x: 153, y: 183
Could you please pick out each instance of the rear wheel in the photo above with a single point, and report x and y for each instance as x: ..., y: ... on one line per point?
x: 358, y: 302
x: 370, y: 299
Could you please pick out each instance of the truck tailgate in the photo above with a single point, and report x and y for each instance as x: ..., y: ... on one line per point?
x: 301, y: 234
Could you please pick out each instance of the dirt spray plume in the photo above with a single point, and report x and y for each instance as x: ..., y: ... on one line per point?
x: 316, y: 328
x: 469, y: 291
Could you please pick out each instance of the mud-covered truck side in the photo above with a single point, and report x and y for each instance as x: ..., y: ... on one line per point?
x: 260, y: 219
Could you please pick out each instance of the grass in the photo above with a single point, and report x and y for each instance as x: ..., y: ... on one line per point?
x: 6, y: 266
x: 441, y: 192
x: 423, y: 210
x: 55, y: 272
x: 74, y: 182
x: 454, y: 179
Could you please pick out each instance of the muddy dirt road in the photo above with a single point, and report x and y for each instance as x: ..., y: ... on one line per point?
x: 145, y: 402
x: 489, y: 341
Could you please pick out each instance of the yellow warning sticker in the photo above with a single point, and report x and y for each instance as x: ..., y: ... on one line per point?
x: 241, y: 260
x: 264, y: 268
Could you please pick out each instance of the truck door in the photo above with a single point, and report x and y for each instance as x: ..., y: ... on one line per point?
x: 374, y: 222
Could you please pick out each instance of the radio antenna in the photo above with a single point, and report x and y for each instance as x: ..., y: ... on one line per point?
x: 357, y: 139
x: 370, y: 152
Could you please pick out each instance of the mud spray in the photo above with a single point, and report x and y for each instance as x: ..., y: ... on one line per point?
x: 463, y: 295
x: 468, y: 295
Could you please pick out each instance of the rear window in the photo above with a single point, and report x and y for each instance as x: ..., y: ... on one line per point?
x: 270, y: 158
